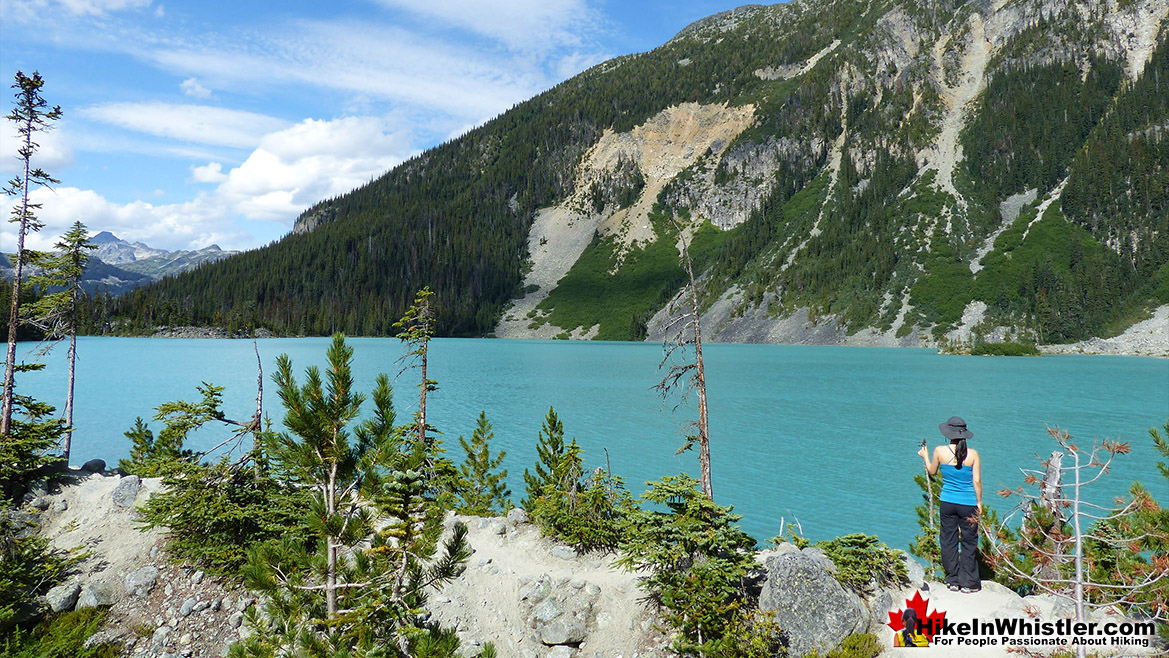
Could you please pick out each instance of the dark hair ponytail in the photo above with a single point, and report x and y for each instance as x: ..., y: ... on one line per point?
x: 909, y: 618
x: 960, y: 452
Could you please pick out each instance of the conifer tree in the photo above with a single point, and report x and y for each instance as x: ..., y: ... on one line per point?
x: 359, y: 591
x: 555, y: 464
x: 55, y: 313
x: 482, y: 490
x: 30, y: 117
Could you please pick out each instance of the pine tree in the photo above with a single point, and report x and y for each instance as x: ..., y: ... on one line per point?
x: 30, y: 118
x: 482, y: 490
x: 56, y: 312
x: 555, y: 461
x: 361, y: 592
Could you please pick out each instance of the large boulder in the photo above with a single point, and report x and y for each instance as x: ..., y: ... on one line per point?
x: 127, y: 491
x: 62, y: 598
x: 94, y: 466
x: 814, y: 610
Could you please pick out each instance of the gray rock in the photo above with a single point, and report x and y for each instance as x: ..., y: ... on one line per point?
x: 161, y: 636
x: 201, y: 606
x: 127, y: 491
x: 140, y: 582
x: 63, y: 597
x: 565, y: 629
x: 61, y: 505
x: 814, y: 610
x: 517, y: 515
x: 40, y: 503
x: 94, y: 466
x: 235, y: 619
x: 820, y: 557
x: 562, y: 652
x: 154, y: 551
x: 216, y: 604
x: 914, y: 569
x: 880, y: 603
x: 499, y: 528
x: 196, y: 577
x: 92, y: 596
x: 188, y: 607
x: 564, y: 552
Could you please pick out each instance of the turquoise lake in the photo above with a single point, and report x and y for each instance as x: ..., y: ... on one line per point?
x: 825, y: 435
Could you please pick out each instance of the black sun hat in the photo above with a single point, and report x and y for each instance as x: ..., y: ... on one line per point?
x: 955, y: 428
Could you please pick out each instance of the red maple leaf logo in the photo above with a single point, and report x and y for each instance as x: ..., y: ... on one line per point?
x: 928, y: 623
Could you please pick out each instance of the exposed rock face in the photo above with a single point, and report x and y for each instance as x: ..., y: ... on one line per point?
x: 813, y: 609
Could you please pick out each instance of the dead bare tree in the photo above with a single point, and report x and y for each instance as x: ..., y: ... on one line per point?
x: 1055, y: 561
x: 682, y: 331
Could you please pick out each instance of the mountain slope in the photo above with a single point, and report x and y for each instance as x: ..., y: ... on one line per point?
x: 909, y: 168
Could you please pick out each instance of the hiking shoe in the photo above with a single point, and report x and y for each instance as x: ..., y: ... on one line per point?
x: 968, y: 590
x: 953, y: 588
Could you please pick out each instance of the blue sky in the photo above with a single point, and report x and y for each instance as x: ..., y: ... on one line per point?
x: 200, y: 122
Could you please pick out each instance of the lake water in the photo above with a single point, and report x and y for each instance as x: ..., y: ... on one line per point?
x: 825, y: 435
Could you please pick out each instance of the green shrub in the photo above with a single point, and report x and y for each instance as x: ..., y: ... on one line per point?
x: 27, y: 567
x: 1007, y: 348
x: 590, y: 518
x: 61, y: 636
x: 860, y: 645
x: 863, y: 563
x: 214, y: 514
x: 698, y: 564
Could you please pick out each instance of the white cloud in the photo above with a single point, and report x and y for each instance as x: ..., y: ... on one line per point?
x: 211, y: 172
x: 191, y: 87
x: 313, y: 160
x: 194, y: 224
x: 291, y: 170
x: 97, y: 7
x: 201, y: 124
x: 523, y: 25
x: 54, y: 153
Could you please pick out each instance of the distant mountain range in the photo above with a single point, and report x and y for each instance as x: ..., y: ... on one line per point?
x: 117, y: 266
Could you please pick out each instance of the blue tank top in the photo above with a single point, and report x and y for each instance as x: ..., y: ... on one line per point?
x: 957, y: 485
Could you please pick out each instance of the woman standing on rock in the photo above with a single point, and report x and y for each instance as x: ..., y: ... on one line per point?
x: 961, y: 499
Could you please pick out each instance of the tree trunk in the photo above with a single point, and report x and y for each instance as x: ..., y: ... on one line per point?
x: 14, y: 307
x: 699, y: 381
x: 72, y: 376
x: 331, y: 550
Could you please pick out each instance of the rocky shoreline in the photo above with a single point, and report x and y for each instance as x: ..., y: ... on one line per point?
x: 530, y: 596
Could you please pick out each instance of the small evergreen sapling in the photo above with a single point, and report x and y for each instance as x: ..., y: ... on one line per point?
x: 348, y: 588
x: 697, y: 564
x: 482, y: 490
x: 554, y: 460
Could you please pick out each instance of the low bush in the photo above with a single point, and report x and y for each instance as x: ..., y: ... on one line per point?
x: 863, y: 563
x: 61, y: 636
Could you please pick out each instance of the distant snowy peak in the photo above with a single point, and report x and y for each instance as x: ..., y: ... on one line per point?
x: 155, y: 263
x: 114, y: 250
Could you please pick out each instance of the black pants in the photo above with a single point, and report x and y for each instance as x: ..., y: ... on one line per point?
x: 959, y: 541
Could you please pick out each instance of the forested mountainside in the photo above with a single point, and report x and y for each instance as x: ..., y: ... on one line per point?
x: 900, y: 166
